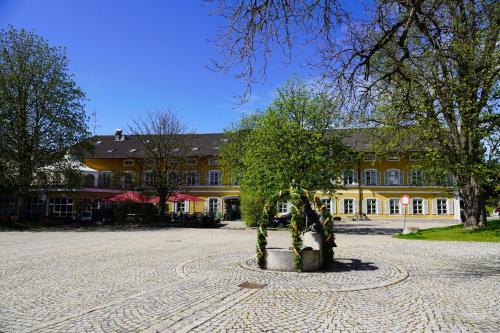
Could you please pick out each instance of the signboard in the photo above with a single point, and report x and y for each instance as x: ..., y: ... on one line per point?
x: 405, y: 200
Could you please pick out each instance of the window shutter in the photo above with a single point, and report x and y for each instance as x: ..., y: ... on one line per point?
x: 387, y: 206
x: 208, y: 178
x: 207, y: 203
x: 425, y: 206
x: 354, y: 206
x: 333, y: 204
x: 341, y: 206
x: 379, y: 206
x: 364, y: 207
x: 450, y: 207
x: 186, y: 206
x: 434, y: 207
x: 401, y: 208
x: 401, y: 178
x: 386, y: 177
x: 410, y: 207
x: 354, y: 176
x: 363, y: 177
x: 378, y: 177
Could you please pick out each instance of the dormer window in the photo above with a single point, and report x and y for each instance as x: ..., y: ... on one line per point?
x: 393, y: 157
x: 175, y: 150
x: 216, y: 147
x: 98, y: 142
x: 195, y: 148
x: 128, y: 163
x: 369, y: 157
x: 224, y: 139
x: 191, y: 161
x: 132, y: 150
x: 110, y: 150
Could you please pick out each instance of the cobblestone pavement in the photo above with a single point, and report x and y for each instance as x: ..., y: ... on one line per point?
x: 186, y: 280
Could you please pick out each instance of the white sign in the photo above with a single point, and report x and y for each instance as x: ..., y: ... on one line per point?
x: 405, y: 200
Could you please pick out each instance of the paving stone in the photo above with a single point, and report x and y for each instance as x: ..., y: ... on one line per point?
x: 186, y: 280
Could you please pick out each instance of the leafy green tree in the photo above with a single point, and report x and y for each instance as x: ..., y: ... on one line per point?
x: 290, y: 140
x: 421, y: 68
x: 41, y: 114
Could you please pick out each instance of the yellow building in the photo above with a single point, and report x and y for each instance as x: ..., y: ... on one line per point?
x: 373, y: 187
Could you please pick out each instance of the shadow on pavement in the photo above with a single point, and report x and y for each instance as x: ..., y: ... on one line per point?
x: 365, y: 230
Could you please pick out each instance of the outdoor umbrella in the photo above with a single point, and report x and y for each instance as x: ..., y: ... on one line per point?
x: 184, y: 197
x: 130, y: 197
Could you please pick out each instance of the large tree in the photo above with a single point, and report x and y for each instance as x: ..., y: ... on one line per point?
x: 41, y: 114
x: 425, y: 67
x: 290, y: 140
x: 166, y: 151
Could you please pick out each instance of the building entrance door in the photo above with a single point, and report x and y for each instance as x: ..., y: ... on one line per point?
x: 232, y: 209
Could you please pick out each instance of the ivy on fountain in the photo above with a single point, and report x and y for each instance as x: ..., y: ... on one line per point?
x: 328, y: 235
x: 267, y: 217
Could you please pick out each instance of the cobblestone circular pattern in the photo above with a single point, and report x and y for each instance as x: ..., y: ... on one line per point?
x: 350, y: 272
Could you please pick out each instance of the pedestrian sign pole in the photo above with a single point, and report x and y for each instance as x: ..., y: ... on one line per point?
x: 405, y: 201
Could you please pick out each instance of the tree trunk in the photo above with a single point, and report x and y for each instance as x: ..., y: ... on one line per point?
x: 474, y: 208
x: 163, y: 204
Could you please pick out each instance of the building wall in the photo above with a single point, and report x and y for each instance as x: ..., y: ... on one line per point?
x: 381, y: 192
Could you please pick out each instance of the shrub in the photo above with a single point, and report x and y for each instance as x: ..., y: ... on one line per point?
x: 251, y: 208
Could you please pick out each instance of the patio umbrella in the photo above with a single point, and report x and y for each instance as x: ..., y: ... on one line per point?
x: 130, y: 196
x: 184, y: 197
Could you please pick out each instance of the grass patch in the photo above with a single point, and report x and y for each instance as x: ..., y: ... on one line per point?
x: 457, y: 233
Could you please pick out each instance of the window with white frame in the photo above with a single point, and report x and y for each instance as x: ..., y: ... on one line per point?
x: 348, y: 206
x: 350, y: 177
x: 393, y: 206
x: 192, y: 177
x: 36, y: 206
x: 416, y: 177
x: 213, y: 161
x: 105, y: 179
x: 213, y: 205
x: 180, y: 207
x: 371, y: 206
x: 393, y: 157
x: 393, y: 177
x: 60, y: 207
x: 369, y: 157
x: 283, y: 207
x: 371, y: 177
x: 148, y: 178
x: 214, y: 177
x: 128, y: 162
x: 418, y: 206
x: 442, y: 206
x: 128, y: 179
x: 328, y: 203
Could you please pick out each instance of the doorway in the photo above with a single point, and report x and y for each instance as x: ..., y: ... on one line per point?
x: 232, y: 210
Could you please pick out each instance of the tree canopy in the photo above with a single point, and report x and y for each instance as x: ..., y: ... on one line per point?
x: 42, y: 112
x: 291, y: 140
x: 426, y: 68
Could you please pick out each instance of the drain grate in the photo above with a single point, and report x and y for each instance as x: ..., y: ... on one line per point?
x: 250, y: 285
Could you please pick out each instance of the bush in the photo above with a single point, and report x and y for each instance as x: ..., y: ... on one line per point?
x: 251, y: 208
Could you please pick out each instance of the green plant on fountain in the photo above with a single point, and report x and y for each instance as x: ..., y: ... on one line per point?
x: 300, y: 202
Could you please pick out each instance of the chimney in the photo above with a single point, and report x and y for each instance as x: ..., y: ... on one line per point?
x: 118, y: 135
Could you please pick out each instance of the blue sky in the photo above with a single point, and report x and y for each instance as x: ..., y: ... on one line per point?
x: 134, y: 56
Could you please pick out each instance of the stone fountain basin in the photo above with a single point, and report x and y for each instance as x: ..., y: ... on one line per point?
x: 280, y: 259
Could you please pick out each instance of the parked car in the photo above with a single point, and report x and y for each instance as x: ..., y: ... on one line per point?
x: 496, y: 211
